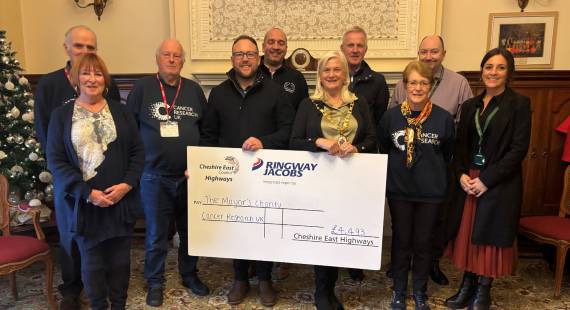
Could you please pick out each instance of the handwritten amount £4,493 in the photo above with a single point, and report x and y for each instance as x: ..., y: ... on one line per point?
x: 347, y: 231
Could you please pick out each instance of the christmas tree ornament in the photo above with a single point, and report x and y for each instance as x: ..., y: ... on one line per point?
x: 30, y: 142
x: 40, y: 195
x: 19, y: 139
x: 5, y: 59
x: 33, y: 156
x: 9, y: 85
x: 15, y: 112
x: 2, y: 155
x: 29, y: 195
x: 14, y: 198
x: 28, y: 117
x: 30, y: 103
x: 10, y: 139
x: 49, y: 189
x: 45, y: 177
x: 23, y: 81
x: 16, y: 169
x: 35, y: 203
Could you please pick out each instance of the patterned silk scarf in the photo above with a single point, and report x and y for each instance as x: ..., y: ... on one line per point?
x: 414, y: 128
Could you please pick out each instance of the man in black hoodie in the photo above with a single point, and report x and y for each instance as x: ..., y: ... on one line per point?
x: 251, y: 112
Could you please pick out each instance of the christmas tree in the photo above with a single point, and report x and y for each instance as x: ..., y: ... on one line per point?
x: 21, y: 158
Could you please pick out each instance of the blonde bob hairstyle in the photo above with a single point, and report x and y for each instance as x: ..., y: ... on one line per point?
x: 346, y: 95
x: 89, y: 61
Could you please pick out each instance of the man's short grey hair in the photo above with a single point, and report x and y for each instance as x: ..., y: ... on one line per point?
x: 157, y: 52
x: 70, y: 30
x: 356, y: 29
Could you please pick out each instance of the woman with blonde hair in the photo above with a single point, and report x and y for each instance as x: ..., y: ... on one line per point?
x: 334, y: 120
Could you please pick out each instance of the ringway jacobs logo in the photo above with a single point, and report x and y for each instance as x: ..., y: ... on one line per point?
x: 283, y: 169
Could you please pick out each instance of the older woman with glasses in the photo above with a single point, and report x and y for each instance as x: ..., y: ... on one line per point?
x: 418, y: 137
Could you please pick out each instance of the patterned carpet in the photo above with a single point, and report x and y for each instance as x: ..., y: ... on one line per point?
x: 531, y: 288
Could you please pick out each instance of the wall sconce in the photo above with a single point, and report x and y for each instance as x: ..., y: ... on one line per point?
x: 523, y: 4
x: 98, y: 6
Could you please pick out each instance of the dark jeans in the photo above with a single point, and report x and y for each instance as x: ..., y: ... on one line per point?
x: 106, y: 270
x: 412, y: 227
x: 163, y: 198
x: 70, y: 272
x: 262, y: 269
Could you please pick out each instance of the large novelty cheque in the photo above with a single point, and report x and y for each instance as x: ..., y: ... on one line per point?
x: 286, y: 206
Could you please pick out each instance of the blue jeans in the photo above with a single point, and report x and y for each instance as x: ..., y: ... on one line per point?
x: 165, y: 197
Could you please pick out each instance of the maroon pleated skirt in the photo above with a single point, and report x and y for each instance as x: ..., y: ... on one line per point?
x: 484, y: 260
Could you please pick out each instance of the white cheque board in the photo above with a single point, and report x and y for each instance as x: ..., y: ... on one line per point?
x: 286, y: 206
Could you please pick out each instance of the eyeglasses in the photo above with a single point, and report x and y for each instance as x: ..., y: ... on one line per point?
x: 414, y: 84
x: 249, y: 55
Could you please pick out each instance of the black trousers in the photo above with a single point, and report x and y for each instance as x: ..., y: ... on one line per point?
x: 106, y: 270
x: 70, y: 272
x: 262, y: 269
x: 325, y: 279
x: 439, y: 241
x: 412, y: 227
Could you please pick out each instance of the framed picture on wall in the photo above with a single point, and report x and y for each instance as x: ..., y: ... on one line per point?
x: 531, y: 37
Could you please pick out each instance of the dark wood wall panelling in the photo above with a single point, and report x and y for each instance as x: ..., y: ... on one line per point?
x: 543, y: 169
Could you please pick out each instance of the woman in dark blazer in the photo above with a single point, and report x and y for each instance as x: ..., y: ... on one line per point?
x: 96, y: 156
x: 492, y: 140
x: 332, y: 120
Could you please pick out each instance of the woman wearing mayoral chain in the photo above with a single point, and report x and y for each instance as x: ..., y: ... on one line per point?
x: 333, y: 119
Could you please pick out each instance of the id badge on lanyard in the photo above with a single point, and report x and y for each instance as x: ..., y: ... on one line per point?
x: 169, y: 129
x: 479, y: 157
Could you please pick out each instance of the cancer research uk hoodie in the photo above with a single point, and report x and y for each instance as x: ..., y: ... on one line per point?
x: 426, y: 180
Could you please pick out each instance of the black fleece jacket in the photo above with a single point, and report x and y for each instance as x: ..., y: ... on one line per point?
x: 233, y: 115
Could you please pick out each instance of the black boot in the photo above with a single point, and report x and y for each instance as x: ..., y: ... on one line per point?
x: 482, y: 299
x: 437, y: 275
x: 421, y: 301
x: 399, y: 300
x: 466, y: 291
x: 335, y: 303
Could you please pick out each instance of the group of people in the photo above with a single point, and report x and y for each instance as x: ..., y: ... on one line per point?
x: 454, y: 160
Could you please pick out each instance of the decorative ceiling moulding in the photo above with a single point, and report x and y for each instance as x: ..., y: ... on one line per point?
x: 392, y: 25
